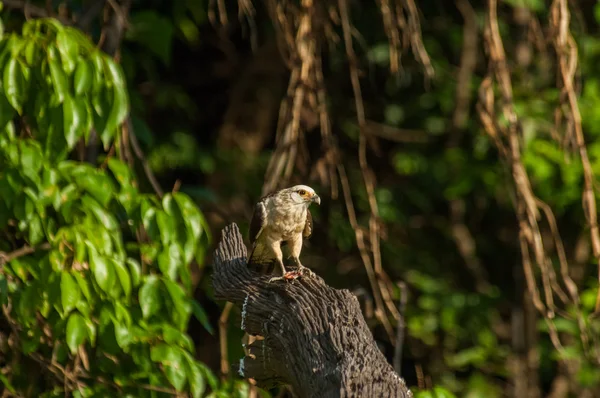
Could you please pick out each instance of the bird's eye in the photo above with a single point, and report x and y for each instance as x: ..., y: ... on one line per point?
x: 302, y: 192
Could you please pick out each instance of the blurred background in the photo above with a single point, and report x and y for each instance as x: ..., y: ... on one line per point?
x: 400, y: 115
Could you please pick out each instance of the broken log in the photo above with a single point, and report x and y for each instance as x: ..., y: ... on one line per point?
x: 315, y: 337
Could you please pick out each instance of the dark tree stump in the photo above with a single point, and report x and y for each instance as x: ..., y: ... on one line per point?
x: 315, y: 337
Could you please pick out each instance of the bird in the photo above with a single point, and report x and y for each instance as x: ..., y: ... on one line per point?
x: 279, y: 218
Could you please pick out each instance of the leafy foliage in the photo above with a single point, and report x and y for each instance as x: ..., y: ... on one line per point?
x: 102, y: 292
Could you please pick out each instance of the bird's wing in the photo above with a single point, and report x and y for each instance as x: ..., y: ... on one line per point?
x: 307, y: 232
x: 259, y: 219
x: 258, y: 255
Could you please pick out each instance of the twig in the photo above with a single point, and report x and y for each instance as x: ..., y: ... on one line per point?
x: 566, y: 50
x: 23, y: 251
x: 33, y: 10
x: 223, y: 339
x: 140, y: 155
x: 382, y: 281
x: 400, y: 329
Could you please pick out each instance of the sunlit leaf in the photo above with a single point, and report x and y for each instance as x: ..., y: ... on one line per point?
x: 149, y: 296
x: 103, y: 270
x: 14, y: 84
x: 77, y: 331
x: 69, y: 290
x: 74, y: 118
x: 59, y: 78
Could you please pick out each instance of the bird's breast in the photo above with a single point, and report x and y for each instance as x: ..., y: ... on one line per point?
x: 289, y: 222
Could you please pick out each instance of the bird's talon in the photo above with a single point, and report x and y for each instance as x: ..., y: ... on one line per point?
x: 288, y: 276
x: 304, y: 271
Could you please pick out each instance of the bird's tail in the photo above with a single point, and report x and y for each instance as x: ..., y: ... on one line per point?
x: 259, y: 259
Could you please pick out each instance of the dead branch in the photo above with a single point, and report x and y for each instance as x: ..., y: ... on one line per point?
x: 315, y: 337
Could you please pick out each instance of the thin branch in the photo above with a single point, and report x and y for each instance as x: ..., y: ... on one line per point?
x: 33, y: 11
x: 223, y: 319
x: 23, y: 251
x: 400, y: 328
x: 140, y: 155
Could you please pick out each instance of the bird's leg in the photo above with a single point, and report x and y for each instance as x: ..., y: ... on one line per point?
x: 302, y: 270
x: 276, y: 247
x: 295, y: 249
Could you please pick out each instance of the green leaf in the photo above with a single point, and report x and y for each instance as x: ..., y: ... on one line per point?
x: 180, y: 301
x: 31, y: 154
x: 68, y: 49
x: 57, y: 74
x: 201, y: 315
x: 149, y: 296
x: 149, y: 221
x: 120, y: 170
x: 196, y: 379
x: 172, y: 360
x: 77, y: 331
x: 69, y: 292
x: 103, y: 271
x: 122, y: 324
x: 74, y: 119
x: 82, y: 80
x: 190, y: 214
x: 36, y: 230
x: 169, y: 260
x: 3, y: 379
x: 122, y: 334
x: 120, y: 102
x: 135, y: 271
x: 14, y: 84
x: 99, y: 186
x: 123, y: 275
x: 174, y: 336
x: 84, y: 285
x: 101, y: 215
x: 166, y: 227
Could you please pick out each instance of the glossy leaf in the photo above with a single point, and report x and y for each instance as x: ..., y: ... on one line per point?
x: 14, y: 84
x: 196, y: 379
x: 103, y: 270
x: 169, y: 260
x: 181, y: 302
x: 77, y: 332
x: 59, y: 78
x: 68, y: 50
x: 120, y: 102
x: 135, y: 271
x: 120, y: 170
x: 103, y: 216
x: 84, y: 285
x: 123, y: 276
x: 149, y: 296
x: 74, y: 119
x: 172, y: 359
x: 69, y: 291
x: 99, y: 186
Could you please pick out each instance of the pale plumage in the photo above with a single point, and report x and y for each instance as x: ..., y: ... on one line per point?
x: 281, y: 217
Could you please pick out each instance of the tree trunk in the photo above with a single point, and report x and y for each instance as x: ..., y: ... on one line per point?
x: 315, y: 337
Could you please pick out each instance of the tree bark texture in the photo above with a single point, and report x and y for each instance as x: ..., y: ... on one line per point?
x: 314, y: 336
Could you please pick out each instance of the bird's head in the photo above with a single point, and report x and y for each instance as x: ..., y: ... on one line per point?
x: 303, y: 194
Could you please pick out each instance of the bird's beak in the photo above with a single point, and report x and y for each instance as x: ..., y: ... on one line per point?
x: 316, y: 199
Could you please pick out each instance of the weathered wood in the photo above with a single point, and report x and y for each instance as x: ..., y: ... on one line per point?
x: 315, y: 336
